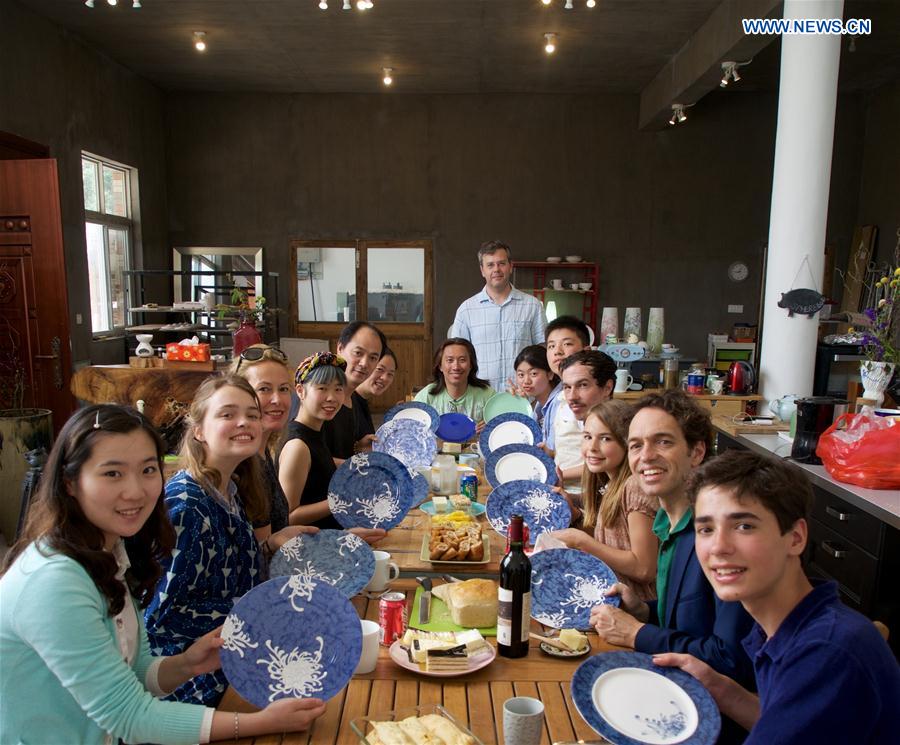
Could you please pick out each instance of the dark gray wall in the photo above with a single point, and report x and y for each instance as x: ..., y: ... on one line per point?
x: 57, y: 91
x: 663, y: 213
x: 879, y: 194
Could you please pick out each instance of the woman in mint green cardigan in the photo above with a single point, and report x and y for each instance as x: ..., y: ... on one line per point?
x: 76, y: 664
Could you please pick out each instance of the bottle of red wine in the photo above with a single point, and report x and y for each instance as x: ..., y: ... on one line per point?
x: 514, y: 607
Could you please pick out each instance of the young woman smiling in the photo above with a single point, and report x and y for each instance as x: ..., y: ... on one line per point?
x: 534, y: 378
x: 70, y: 596
x: 377, y: 383
x: 456, y: 387
x: 266, y: 369
x: 212, y: 504
x: 616, y: 511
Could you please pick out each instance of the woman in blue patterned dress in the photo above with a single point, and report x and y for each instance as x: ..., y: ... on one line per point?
x: 213, y: 503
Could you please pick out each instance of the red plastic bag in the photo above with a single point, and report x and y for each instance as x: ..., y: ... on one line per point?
x: 862, y: 449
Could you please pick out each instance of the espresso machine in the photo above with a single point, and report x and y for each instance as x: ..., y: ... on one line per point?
x: 814, y: 415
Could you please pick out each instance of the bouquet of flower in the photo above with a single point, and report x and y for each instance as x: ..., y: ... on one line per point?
x: 880, y: 339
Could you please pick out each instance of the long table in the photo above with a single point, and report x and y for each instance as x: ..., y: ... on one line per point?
x: 475, y: 699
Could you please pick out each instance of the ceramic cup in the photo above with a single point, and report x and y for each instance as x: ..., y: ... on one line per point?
x: 573, y: 286
x: 523, y: 721
x: 557, y: 284
x: 717, y: 386
x: 369, y: 656
x: 623, y: 380
x: 385, y: 571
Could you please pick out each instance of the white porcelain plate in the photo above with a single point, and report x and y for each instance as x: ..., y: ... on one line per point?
x: 645, y: 706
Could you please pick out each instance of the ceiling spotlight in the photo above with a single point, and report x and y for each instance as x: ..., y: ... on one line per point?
x: 388, y: 79
x: 323, y: 4
x: 136, y: 4
x: 200, y: 41
x: 591, y: 3
x: 89, y: 3
x: 549, y: 43
x: 728, y: 71
x: 546, y: 2
x: 364, y: 4
x: 678, y: 115
x: 112, y: 2
x: 570, y: 4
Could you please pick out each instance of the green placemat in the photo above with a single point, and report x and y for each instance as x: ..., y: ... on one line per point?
x: 440, y: 617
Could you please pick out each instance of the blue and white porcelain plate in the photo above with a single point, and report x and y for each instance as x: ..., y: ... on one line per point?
x: 519, y: 462
x: 630, y: 701
x: 291, y: 637
x: 415, y: 410
x: 541, y: 508
x: 342, y: 559
x: 408, y: 440
x: 371, y: 490
x: 421, y: 487
x: 565, y: 584
x: 509, y: 429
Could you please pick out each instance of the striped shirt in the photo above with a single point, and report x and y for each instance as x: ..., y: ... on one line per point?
x: 499, y: 332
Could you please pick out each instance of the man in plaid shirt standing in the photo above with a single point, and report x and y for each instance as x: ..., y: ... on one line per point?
x: 500, y: 320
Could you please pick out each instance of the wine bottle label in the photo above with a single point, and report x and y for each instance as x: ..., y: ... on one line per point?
x: 505, y: 617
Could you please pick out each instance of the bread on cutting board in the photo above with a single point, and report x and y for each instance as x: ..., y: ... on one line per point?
x: 472, y: 604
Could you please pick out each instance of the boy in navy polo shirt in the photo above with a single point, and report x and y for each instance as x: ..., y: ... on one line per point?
x: 823, y: 672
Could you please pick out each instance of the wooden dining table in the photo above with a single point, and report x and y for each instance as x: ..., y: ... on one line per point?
x: 475, y: 699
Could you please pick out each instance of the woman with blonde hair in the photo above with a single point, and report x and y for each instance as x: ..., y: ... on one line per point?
x: 618, y: 516
x: 266, y: 369
x: 213, y: 502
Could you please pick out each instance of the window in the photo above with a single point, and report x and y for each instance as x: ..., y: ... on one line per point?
x: 109, y: 231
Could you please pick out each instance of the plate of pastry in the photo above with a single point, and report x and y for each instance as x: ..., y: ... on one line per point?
x: 442, y: 654
x: 429, y: 723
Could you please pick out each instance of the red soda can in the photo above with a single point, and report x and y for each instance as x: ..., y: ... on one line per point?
x: 391, y: 617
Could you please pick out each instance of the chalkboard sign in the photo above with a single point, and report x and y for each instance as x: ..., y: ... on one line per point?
x: 803, y: 301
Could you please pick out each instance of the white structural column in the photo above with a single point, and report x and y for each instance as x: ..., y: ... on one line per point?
x: 802, y: 175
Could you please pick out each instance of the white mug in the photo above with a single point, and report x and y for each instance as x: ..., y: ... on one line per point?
x: 523, y: 721
x: 368, y: 658
x: 385, y: 571
x: 623, y: 380
x: 557, y: 284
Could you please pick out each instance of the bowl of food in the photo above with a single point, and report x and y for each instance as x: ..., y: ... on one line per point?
x: 573, y: 259
x: 429, y: 723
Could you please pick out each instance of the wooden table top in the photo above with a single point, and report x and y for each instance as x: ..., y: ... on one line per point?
x: 475, y: 700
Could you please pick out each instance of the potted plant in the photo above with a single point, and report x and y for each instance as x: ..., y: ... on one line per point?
x: 246, y: 334
x: 879, y: 340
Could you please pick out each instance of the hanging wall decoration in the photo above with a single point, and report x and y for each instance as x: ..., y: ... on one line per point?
x: 803, y: 301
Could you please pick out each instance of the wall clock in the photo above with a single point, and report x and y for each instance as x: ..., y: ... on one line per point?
x: 738, y: 271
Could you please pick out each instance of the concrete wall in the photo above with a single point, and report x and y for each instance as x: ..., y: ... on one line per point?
x: 57, y: 91
x: 664, y: 213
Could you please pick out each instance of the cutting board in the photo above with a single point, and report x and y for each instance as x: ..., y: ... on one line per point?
x: 727, y: 425
x: 440, y: 617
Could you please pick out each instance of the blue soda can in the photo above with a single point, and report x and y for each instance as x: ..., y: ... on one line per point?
x: 468, y: 485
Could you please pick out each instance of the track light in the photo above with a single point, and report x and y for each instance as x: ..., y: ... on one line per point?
x: 591, y: 3
x: 200, y: 41
x: 323, y: 4
x: 546, y: 2
x: 388, y: 78
x: 730, y: 71
x: 112, y: 2
x: 570, y: 4
x: 678, y: 115
x: 364, y: 4
x: 549, y: 43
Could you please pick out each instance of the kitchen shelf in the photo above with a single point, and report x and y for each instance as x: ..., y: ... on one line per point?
x: 586, y: 271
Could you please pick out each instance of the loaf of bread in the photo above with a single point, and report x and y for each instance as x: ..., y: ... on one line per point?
x: 431, y: 729
x: 472, y: 604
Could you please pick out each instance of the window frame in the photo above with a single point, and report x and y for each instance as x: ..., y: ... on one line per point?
x: 128, y: 223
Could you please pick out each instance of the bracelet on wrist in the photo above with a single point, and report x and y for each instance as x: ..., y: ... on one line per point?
x: 236, y: 726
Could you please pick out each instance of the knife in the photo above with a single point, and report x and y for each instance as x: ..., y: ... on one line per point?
x: 450, y: 578
x: 425, y: 599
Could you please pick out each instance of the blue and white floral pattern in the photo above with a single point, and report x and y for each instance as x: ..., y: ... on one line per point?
x: 409, y: 441
x: 509, y: 429
x: 415, y: 410
x: 284, y: 644
x: 371, y: 490
x: 653, y: 715
x: 342, y: 559
x: 565, y: 584
x: 541, y: 508
x: 519, y: 462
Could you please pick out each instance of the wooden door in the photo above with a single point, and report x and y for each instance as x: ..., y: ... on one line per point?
x: 35, y: 354
x: 372, y: 290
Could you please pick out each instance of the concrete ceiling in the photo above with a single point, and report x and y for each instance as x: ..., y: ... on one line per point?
x: 434, y: 46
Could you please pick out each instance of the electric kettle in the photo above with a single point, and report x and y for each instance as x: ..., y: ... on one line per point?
x: 740, y: 378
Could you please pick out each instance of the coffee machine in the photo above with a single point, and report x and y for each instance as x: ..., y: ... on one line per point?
x: 814, y: 416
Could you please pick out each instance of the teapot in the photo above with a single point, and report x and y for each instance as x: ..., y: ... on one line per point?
x: 785, y: 406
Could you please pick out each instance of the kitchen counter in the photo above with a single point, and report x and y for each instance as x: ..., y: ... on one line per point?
x: 881, y: 503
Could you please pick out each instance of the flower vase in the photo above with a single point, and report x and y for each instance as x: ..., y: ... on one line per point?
x: 632, y: 323
x: 655, y: 330
x: 245, y: 336
x: 609, y: 324
x: 876, y: 376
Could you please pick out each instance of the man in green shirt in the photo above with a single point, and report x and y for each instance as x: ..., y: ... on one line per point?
x: 669, y: 436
